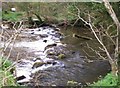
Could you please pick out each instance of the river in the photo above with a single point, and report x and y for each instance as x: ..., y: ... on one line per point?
x: 51, y: 56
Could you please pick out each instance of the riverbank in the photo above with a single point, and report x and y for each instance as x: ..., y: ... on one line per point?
x: 6, y: 75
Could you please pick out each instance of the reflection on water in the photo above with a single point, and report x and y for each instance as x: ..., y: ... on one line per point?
x: 84, y: 46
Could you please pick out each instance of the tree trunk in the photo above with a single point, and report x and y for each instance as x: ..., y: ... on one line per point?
x: 117, y: 23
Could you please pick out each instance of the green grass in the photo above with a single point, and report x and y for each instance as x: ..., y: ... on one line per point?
x: 5, y: 63
x: 6, y: 77
x: 12, y: 16
x: 108, y: 80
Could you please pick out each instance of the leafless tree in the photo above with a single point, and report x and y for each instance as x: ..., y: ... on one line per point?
x: 117, y: 23
x: 112, y: 60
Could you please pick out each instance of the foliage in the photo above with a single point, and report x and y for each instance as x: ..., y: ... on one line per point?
x: 11, y: 16
x: 118, y: 80
x: 108, y: 80
x: 61, y: 11
x: 5, y: 63
x: 6, y: 78
x: 0, y: 15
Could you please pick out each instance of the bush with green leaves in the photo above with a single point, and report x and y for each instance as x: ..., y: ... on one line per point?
x: 108, y: 80
x: 11, y: 16
x: 6, y: 77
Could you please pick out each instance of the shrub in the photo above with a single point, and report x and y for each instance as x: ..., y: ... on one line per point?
x: 108, y: 80
x: 6, y: 77
x: 11, y: 16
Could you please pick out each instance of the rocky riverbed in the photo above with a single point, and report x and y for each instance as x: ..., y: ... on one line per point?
x: 43, y: 56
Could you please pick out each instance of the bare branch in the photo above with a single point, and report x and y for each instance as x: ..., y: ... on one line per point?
x: 112, y: 13
x: 111, y: 60
x: 97, y: 53
x: 116, y: 21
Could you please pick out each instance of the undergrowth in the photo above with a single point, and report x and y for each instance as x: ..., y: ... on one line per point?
x: 107, y: 81
x: 6, y: 77
x: 11, y: 16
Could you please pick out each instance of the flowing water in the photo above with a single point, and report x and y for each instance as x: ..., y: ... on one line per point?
x: 51, y: 56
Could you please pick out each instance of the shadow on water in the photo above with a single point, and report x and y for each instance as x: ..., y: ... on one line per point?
x: 40, y: 63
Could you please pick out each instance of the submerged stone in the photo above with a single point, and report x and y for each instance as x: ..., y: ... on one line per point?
x: 50, y: 46
x: 45, y: 41
x: 43, y: 35
x: 61, y: 56
x: 20, y: 78
x: 51, y: 62
x: 38, y: 64
x: 32, y: 33
x: 51, y: 53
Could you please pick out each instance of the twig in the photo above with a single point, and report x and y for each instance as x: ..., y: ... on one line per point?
x: 87, y: 53
x: 97, y: 53
x: 13, y: 38
x: 91, y: 27
x: 117, y: 23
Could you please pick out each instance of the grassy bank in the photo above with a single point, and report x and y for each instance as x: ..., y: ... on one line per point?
x: 6, y: 77
x: 108, y: 81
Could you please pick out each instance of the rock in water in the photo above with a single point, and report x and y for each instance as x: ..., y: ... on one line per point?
x: 38, y: 64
